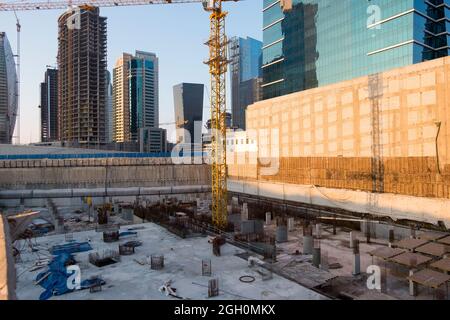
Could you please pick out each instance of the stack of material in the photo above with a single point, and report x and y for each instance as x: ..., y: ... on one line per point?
x: 55, y: 279
x: 70, y: 248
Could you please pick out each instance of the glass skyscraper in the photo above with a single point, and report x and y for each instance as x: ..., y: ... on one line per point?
x: 8, y: 90
x: 49, y: 106
x: 188, y: 104
x: 245, y: 74
x: 144, y: 93
x: 311, y: 43
x: 135, y: 95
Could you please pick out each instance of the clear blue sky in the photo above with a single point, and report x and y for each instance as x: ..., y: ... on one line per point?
x: 176, y: 33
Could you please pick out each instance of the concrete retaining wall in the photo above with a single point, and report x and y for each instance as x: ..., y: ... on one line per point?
x: 387, y: 204
x: 99, y: 173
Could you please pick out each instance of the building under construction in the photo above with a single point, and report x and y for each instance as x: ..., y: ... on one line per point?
x: 82, y: 64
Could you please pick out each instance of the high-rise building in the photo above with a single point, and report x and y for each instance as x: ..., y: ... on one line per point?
x: 311, y: 43
x: 8, y: 90
x: 135, y: 95
x: 121, y: 100
x: 188, y: 102
x: 144, y: 92
x: 109, y: 108
x: 152, y: 140
x: 82, y: 76
x: 49, y: 106
x: 245, y: 74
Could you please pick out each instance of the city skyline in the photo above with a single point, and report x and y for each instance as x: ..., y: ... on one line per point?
x: 173, y: 67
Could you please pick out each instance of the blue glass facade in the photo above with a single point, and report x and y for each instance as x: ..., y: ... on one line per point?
x: 245, y: 72
x: 249, y: 58
x: 143, y: 90
x: 319, y: 42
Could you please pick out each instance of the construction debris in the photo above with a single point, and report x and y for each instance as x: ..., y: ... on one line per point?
x: 217, y: 242
x: 167, y: 289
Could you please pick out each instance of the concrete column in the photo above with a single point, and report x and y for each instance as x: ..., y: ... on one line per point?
x: 282, y: 233
x: 290, y: 224
x: 22, y: 205
x: 413, y: 232
x: 234, y: 203
x: 316, y: 257
x: 384, y: 281
x: 412, y: 285
x: 356, y: 259
x: 268, y: 218
x: 391, y: 237
x: 318, y: 230
x: 308, y: 243
x: 334, y: 225
x: 367, y: 231
x: 352, y: 238
x: 244, y: 212
x: 324, y: 262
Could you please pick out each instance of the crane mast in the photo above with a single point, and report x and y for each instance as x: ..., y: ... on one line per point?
x: 217, y: 62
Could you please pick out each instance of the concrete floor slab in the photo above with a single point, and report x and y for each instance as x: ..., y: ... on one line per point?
x: 183, y: 264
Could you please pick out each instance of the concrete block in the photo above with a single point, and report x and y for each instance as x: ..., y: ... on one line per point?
x: 268, y: 218
x: 282, y: 233
x: 308, y: 244
x: 290, y: 224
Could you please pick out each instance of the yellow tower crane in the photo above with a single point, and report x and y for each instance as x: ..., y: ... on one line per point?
x: 217, y: 63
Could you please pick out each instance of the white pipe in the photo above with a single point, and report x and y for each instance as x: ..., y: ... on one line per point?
x: 102, y: 192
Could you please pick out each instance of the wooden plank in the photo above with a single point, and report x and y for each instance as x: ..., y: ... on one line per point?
x: 410, y: 244
x: 443, y: 264
x: 434, y: 249
x: 432, y: 236
x: 411, y: 260
x: 386, y: 252
x: 445, y: 240
x: 430, y: 278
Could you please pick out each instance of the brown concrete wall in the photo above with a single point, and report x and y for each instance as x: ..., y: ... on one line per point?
x: 415, y: 176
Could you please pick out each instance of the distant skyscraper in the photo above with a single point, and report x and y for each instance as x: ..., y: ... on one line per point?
x: 121, y: 99
x: 245, y: 67
x: 144, y: 92
x: 82, y: 76
x: 152, y: 140
x: 188, y: 100
x: 8, y: 90
x: 49, y: 106
x: 135, y: 95
x: 109, y: 108
x: 312, y: 43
